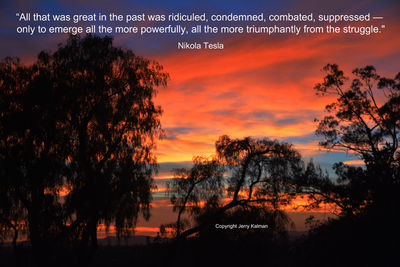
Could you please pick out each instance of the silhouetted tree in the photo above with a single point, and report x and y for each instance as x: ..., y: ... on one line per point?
x: 31, y: 151
x: 82, y: 121
x: 365, y: 120
x: 259, y: 176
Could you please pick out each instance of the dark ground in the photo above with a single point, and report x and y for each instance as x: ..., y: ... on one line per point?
x: 336, y: 245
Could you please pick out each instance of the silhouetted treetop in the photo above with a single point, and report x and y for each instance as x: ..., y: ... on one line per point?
x: 365, y: 117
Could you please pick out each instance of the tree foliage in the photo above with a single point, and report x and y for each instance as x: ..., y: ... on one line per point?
x: 80, y: 121
x: 364, y: 120
x: 247, y: 176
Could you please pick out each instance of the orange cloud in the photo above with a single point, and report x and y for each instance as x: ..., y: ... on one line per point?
x: 257, y: 86
x: 354, y: 162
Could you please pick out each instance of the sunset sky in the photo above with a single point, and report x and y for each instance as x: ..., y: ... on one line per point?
x: 259, y: 85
